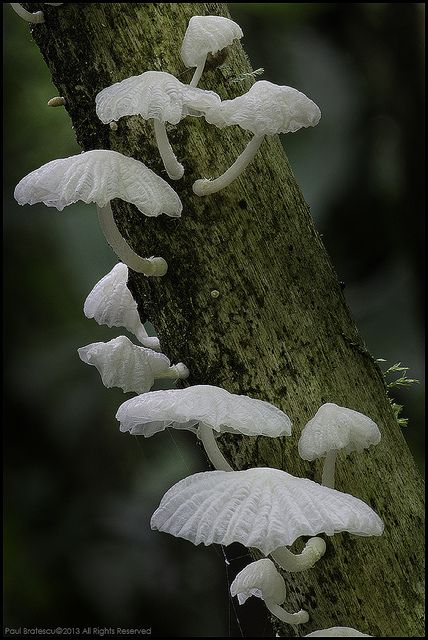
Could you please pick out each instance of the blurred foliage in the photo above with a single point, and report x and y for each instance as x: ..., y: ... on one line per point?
x: 78, y: 494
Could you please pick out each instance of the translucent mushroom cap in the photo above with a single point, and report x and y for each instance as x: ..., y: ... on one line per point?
x: 266, y: 109
x: 260, y: 579
x: 153, y: 94
x: 207, y: 34
x: 201, y: 404
x: 125, y: 365
x: 111, y: 303
x: 262, y: 508
x: 335, y: 428
x: 99, y: 176
x: 339, y: 632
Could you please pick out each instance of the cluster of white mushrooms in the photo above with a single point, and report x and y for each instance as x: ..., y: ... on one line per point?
x: 261, y: 508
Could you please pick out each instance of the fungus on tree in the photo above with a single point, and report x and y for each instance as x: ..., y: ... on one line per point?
x: 263, y: 580
x: 264, y: 508
x: 157, y: 96
x: 203, y: 409
x: 204, y: 35
x: 99, y: 176
x: 111, y: 303
x: 131, y: 368
x: 266, y: 109
x: 338, y: 632
x: 332, y: 429
x: 37, y: 17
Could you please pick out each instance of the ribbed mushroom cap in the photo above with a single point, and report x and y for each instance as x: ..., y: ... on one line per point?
x: 207, y: 34
x: 125, y: 365
x: 262, y: 508
x: 201, y: 404
x: 153, y: 94
x: 339, y: 632
x: 266, y: 109
x: 98, y: 176
x: 111, y: 303
x: 260, y: 579
x: 335, y: 428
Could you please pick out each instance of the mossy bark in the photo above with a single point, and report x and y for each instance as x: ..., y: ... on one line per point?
x: 280, y: 329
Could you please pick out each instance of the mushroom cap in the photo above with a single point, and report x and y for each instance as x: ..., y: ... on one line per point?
x: 111, y: 303
x: 335, y: 428
x: 340, y: 632
x: 207, y: 34
x: 262, y: 508
x: 153, y: 94
x: 123, y: 364
x: 99, y: 176
x: 266, y: 109
x: 261, y: 579
x: 201, y: 404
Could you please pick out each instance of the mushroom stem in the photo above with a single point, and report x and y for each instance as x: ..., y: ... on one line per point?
x: 313, y: 551
x: 327, y: 479
x: 197, y: 75
x: 149, y: 266
x: 174, y: 169
x: 290, y: 618
x: 178, y: 371
x: 205, y: 187
x: 35, y: 18
x: 206, y: 436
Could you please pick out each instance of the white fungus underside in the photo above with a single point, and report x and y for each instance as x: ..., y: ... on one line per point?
x: 267, y: 109
x: 125, y: 365
x: 335, y: 428
x: 98, y: 176
x: 203, y: 404
x: 262, y: 508
x: 111, y: 303
x: 260, y: 579
x: 339, y: 632
x: 207, y: 34
x: 153, y: 94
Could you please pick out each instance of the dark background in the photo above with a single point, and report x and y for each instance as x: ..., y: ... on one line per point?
x: 78, y: 494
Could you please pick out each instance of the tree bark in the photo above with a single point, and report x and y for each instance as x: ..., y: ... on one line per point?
x: 280, y: 329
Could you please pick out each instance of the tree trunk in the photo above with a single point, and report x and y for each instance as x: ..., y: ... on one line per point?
x: 280, y: 329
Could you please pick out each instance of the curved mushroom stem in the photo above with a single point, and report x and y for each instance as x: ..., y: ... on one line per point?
x: 206, y: 436
x: 174, y: 169
x: 327, y: 479
x: 197, y: 75
x: 178, y: 371
x: 205, y: 187
x: 149, y: 266
x: 290, y: 618
x: 35, y: 18
x: 313, y: 551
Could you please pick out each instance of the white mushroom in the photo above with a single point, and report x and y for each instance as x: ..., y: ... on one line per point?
x: 266, y: 109
x: 263, y: 580
x: 203, y: 409
x: 99, y: 176
x: 263, y: 508
x: 339, y: 632
x: 204, y: 35
x: 35, y: 18
x: 111, y: 303
x: 131, y: 368
x: 333, y: 429
x: 159, y: 96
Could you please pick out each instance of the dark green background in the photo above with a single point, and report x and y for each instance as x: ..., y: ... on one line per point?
x: 78, y: 494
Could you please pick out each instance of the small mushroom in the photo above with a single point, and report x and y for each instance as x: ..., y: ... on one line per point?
x: 111, y: 303
x: 204, y: 35
x: 334, y: 429
x: 339, y: 632
x: 263, y: 508
x: 266, y: 109
x: 263, y: 580
x: 131, y: 368
x: 203, y: 409
x: 35, y: 18
x: 158, y: 96
x: 99, y: 176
